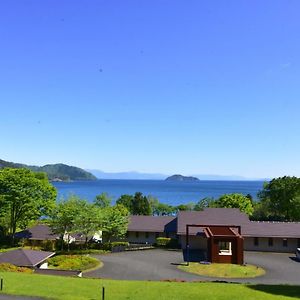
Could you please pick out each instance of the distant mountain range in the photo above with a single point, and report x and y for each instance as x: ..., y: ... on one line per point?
x: 127, y: 175
x: 58, y: 172
x: 55, y: 172
x: 158, y: 176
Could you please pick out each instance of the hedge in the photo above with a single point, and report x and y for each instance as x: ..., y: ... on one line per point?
x: 166, y: 242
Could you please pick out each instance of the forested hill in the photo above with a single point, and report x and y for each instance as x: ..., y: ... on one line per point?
x: 55, y: 171
x: 178, y: 177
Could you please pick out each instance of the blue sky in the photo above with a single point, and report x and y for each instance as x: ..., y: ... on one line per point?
x: 192, y: 87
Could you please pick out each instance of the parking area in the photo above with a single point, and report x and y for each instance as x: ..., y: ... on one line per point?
x: 157, y: 264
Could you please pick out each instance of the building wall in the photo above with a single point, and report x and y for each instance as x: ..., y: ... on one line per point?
x: 141, y: 237
x: 44, y: 265
x: 199, y: 242
x: 144, y: 237
x: 263, y: 245
x: 195, y: 242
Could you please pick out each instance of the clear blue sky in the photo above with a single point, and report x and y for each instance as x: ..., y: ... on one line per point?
x: 191, y: 87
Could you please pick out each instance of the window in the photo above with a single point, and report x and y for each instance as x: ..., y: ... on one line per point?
x: 270, y: 242
x: 284, y: 242
x: 147, y: 235
x: 136, y: 234
x: 225, y: 248
x: 156, y: 235
x: 298, y: 243
x: 127, y: 234
x: 255, y: 241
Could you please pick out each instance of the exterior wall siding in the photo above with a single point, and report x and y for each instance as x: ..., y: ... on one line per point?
x: 195, y: 242
x: 142, y: 237
x: 147, y: 238
x: 263, y: 245
x: 199, y: 242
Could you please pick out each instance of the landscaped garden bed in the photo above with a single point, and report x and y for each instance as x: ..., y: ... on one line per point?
x: 223, y: 270
x: 73, y: 262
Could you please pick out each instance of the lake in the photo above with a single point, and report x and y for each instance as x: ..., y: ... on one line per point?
x: 173, y: 193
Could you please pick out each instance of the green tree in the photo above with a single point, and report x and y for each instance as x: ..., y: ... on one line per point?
x: 281, y: 198
x: 261, y: 212
x: 64, y: 217
x: 115, y: 222
x: 140, y: 205
x: 103, y: 200
x: 160, y: 209
x: 126, y: 201
x: 235, y: 201
x: 89, y: 220
x: 185, y: 207
x: 204, y: 203
x: 24, y: 196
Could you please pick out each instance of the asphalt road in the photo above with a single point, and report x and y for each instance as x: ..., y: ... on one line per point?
x: 158, y: 264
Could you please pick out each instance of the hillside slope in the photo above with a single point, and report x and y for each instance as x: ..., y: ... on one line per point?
x: 54, y: 171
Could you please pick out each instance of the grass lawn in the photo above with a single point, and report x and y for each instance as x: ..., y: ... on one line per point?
x: 223, y: 270
x: 56, y: 287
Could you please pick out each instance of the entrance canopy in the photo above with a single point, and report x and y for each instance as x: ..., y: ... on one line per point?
x: 224, y: 242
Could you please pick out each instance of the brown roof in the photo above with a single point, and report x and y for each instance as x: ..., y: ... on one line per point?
x: 152, y: 223
x: 272, y: 229
x: 38, y: 232
x: 221, y: 231
x: 210, y: 216
x: 25, y: 258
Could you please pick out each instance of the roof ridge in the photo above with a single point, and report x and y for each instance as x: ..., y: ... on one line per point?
x: 24, y: 254
x: 276, y: 222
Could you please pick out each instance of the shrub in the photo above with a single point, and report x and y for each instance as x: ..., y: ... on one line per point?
x: 173, y: 244
x: 108, y: 246
x: 166, y: 242
x: 116, y: 244
x: 48, y: 245
x: 162, y: 241
x: 82, y: 252
x: 6, y: 267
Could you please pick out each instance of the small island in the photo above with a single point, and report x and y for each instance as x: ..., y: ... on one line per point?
x: 178, y: 177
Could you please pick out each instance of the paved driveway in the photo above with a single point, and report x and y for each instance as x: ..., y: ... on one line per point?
x: 162, y: 264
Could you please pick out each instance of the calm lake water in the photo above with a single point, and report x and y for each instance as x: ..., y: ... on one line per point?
x: 173, y: 193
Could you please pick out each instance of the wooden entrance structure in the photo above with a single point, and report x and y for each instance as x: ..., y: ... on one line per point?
x: 224, y: 243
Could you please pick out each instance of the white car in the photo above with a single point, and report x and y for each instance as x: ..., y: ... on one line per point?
x: 298, y: 253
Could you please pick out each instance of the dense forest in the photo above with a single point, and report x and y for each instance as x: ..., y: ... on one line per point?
x: 54, y: 172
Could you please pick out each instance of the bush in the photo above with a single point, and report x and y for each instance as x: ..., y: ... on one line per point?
x: 173, y: 244
x: 116, y: 244
x: 48, y: 245
x: 162, y: 241
x: 73, y: 262
x: 166, y: 242
x: 109, y: 246
x: 6, y: 267
x: 82, y: 252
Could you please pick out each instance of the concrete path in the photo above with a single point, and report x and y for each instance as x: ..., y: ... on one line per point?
x: 162, y: 265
